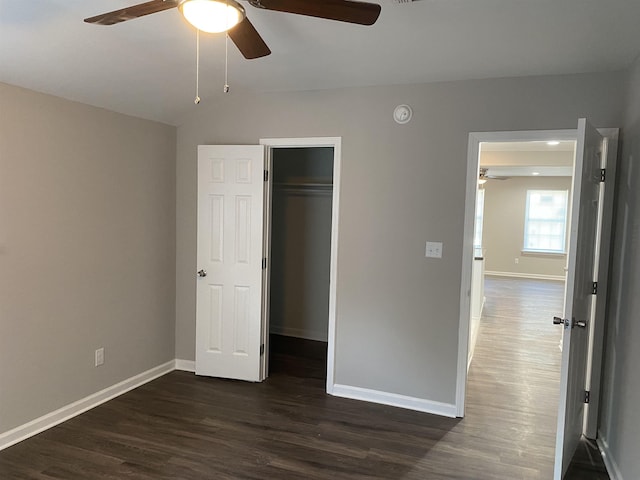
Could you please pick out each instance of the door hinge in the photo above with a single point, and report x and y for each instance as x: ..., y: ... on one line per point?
x: 603, y: 174
x: 262, y: 349
x: 264, y: 263
x: 594, y: 288
x: 266, y: 175
x: 587, y: 396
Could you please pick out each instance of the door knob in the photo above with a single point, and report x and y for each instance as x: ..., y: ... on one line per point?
x: 560, y: 321
x: 565, y: 321
x: 202, y: 273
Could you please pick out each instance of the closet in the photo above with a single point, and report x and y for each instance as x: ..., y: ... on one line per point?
x: 301, y: 205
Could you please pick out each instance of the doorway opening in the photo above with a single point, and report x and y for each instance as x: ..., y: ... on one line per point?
x: 522, y: 216
x: 300, y: 254
x: 587, y: 248
x: 518, y: 285
x: 301, y: 237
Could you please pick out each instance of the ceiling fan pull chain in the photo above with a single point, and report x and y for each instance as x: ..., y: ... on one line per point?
x: 226, y: 63
x: 197, y: 99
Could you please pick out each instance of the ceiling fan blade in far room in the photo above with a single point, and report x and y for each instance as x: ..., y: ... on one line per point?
x: 248, y: 40
x: 132, y: 12
x: 361, y: 13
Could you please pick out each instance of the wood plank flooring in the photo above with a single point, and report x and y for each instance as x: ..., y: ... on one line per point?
x: 183, y: 427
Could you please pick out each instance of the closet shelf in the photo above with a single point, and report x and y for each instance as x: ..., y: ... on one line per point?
x: 300, y: 187
x: 303, y: 185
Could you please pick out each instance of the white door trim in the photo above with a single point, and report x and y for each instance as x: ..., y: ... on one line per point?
x: 473, y: 169
x: 336, y: 143
x: 596, y: 331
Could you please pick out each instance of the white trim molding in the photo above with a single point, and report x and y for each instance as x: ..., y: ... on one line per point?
x: 609, y: 460
x: 74, y: 409
x: 533, y: 276
x: 395, y: 400
x: 186, y: 365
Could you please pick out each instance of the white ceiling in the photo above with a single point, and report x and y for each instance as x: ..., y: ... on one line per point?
x: 145, y: 67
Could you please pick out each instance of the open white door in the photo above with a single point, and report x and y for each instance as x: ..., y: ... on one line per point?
x: 579, y: 297
x: 229, y: 261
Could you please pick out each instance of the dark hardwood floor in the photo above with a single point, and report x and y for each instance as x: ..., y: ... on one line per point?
x: 297, y: 357
x: 183, y: 427
x: 515, y: 374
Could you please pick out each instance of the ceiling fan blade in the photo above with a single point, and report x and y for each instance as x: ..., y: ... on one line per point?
x: 341, y: 10
x: 248, y: 40
x: 132, y: 12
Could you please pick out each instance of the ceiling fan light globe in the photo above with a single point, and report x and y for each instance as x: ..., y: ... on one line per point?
x: 212, y: 16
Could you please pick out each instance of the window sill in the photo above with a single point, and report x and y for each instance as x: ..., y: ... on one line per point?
x: 537, y: 253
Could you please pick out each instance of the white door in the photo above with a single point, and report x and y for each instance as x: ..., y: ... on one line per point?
x: 579, y: 298
x: 229, y: 263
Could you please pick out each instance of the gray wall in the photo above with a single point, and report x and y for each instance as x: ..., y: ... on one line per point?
x: 301, y: 242
x: 397, y: 312
x: 619, y: 418
x: 503, y: 230
x: 87, y: 249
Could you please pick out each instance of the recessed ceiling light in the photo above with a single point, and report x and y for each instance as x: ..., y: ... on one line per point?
x: 535, y: 173
x: 553, y: 143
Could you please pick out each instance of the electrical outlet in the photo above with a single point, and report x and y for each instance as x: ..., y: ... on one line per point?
x: 433, y: 250
x: 517, y: 260
x: 99, y: 356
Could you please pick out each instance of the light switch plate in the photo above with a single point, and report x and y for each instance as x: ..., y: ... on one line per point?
x: 433, y: 250
x: 100, y: 356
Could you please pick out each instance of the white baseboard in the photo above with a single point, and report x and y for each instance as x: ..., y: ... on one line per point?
x: 74, y: 409
x: 185, y: 365
x: 533, y: 276
x: 395, y: 400
x: 318, y: 335
x: 609, y: 461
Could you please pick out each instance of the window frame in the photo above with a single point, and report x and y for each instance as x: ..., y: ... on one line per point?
x: 479, y: 219
x: 527, y: 218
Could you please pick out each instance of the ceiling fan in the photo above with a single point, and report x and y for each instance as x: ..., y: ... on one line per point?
x: 230, y: 16
x: 485, y: 175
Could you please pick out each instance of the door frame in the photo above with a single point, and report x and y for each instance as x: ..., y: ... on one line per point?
x: 597, y: 330
x: 597, y: 327
x: 307, y: 142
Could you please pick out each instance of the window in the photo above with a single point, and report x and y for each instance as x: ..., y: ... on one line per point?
x: 545, y: 223
x: 477, y: 235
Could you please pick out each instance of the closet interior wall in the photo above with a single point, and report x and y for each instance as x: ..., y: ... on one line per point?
x: 301, y: 242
